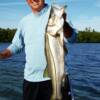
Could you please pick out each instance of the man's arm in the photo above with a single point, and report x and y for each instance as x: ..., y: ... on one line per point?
x: 5, y: 54
x: 16, y: 46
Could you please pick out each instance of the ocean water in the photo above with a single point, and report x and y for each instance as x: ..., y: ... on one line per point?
x: 83, y: 63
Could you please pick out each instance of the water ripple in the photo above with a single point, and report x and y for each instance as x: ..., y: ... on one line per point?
x: 83, y: 64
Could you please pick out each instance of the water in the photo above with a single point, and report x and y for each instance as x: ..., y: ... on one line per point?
x: 11, y: 76
x: 83, y: 67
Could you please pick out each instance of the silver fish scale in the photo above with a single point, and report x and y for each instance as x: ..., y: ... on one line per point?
x: 55, y: 50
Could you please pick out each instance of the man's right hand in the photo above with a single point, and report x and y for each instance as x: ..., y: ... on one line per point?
x: 5, y: 54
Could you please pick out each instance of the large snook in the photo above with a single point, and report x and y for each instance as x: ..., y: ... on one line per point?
x: 54, y: 49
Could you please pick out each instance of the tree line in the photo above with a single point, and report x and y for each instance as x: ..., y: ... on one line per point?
x: 89, y: 35
x: 6, y: 35
x: 86, y: 36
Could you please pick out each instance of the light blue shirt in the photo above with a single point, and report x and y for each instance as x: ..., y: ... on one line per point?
x: 31, y: 36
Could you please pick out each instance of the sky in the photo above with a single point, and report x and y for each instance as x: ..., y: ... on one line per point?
x: 81, y: 13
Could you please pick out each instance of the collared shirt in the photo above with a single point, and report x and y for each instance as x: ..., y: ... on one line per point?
x: 31, y: 36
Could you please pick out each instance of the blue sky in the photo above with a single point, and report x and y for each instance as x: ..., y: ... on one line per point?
x: 81, y: 13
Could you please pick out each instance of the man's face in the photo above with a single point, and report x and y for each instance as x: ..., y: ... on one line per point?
x: 36, y: 5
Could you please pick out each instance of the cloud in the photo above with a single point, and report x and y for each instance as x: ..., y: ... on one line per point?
x: 12, y: 3
x: 83, y: 22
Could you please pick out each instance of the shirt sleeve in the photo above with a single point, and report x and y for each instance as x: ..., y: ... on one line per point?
x: 17, y: 42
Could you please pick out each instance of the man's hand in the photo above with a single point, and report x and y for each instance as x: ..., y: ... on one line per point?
x: 67, y: 28
x: 5, y: 54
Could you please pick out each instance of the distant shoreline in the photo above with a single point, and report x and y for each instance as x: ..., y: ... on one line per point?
x: 86, y: 36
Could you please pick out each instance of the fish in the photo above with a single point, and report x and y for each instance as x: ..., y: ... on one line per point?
x: 54, y: 51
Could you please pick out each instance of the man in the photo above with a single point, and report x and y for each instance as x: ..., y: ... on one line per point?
x: 30, y: 35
